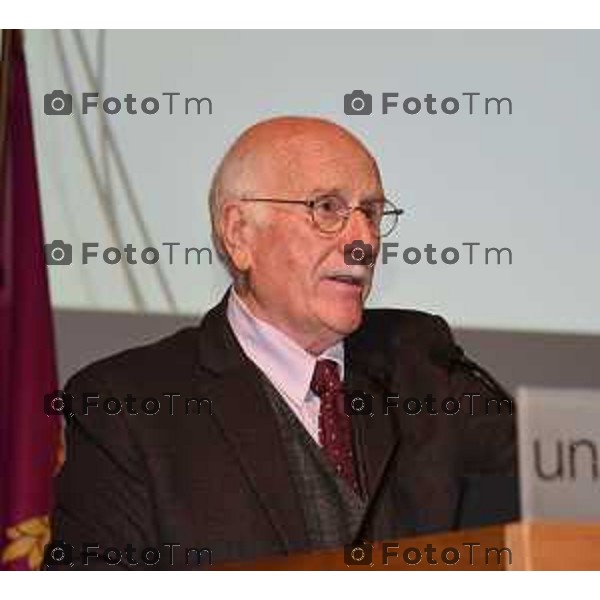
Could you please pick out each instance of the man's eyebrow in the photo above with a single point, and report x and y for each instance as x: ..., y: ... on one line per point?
x: 319, y: 192
x: 372, y: 199
x: 316, y: 192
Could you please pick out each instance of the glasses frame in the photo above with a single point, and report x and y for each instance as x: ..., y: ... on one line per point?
x: 345, y: 214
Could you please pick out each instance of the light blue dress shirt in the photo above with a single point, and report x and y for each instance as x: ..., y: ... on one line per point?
x: 287, y: 365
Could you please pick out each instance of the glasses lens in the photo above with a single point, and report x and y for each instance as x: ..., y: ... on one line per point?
x: 331, y: 212
x: 389, y: 219
x: 328, y: 213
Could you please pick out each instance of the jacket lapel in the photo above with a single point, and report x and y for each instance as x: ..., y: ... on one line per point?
x: 245, y: 419
x: 412, y: 453
x: 376, y: 436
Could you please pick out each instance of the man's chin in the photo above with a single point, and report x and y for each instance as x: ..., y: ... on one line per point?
x: 344, y: 321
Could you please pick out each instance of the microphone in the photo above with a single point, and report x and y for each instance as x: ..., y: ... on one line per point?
x: 453, y: 356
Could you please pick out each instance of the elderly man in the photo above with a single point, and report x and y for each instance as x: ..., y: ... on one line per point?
x: 283, y: 461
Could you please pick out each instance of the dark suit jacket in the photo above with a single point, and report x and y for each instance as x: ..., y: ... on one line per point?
x: 220, y: 481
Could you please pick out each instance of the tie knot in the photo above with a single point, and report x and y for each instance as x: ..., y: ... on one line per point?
x: 326, y: 378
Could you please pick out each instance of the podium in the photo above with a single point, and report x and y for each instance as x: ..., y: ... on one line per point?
x: 535, y: 545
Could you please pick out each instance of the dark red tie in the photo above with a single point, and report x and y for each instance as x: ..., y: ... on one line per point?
x: 335, y: 427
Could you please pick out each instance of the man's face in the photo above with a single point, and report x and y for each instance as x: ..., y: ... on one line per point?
x: 299, y: 281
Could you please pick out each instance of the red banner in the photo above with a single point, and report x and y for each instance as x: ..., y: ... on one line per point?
x: 30, y: 448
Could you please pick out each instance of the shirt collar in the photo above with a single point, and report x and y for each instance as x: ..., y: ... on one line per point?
x: 288, y: 366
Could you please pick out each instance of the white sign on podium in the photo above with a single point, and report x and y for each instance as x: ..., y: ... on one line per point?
x: 559, y: 446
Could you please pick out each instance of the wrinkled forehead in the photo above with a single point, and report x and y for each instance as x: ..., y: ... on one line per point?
x: 316, y: 161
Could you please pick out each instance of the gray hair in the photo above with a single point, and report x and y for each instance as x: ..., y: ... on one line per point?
x: 215, y: 206
x: 230, y: 184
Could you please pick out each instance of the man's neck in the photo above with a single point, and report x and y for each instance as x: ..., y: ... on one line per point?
x: 313, y: 343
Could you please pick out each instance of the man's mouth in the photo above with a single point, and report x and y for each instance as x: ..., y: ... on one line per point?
x: 353, y: 278
x: 347, y: 279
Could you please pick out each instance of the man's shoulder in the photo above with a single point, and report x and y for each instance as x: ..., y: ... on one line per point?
x: 173, y: 356
x: 406, y: 326
x: 408, y: 317
x: 172, y: 353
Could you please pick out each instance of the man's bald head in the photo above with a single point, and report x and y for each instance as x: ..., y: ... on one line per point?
x: 288, y: 269
x: 274, y: 155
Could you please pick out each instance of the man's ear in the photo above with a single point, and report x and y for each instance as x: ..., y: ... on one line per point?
x: 236, y: 235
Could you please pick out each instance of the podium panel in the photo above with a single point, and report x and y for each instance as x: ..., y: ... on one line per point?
x: 535, y: 545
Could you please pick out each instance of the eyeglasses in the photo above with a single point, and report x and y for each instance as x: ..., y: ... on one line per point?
x: 331, y: 213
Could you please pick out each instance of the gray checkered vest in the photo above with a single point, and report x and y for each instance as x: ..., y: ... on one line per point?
x: 332, y: 511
